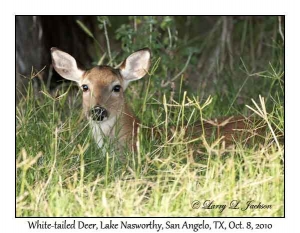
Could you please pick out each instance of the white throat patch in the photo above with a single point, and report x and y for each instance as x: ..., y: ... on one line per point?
x: 102, y: 131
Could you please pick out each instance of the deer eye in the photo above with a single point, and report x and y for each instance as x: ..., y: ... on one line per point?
x: 85, y: 87
x: 116, y: 88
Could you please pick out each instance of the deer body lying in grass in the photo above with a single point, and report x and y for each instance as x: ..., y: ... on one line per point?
x: 104, y: 102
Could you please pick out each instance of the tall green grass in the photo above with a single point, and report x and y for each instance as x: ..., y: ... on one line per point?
x: 61, y: 172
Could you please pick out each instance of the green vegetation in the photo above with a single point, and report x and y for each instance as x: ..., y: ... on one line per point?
x: 61, y: 172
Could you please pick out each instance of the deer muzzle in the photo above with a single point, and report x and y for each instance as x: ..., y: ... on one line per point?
x: 99, y: 113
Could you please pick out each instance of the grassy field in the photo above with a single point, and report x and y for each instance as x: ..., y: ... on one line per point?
x: 61, y: 172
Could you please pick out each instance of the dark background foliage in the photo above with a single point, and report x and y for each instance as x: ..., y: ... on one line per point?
x: 221, y: 55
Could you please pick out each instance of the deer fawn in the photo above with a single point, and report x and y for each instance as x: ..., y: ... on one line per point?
x: 105, y: 106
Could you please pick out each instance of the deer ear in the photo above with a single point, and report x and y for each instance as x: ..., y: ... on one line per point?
x: 136, y: 65
x: 65, y: 65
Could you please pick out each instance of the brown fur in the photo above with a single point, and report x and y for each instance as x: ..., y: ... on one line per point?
x: 224, y: 129
x: 99, y: 81
x: 230, y: 129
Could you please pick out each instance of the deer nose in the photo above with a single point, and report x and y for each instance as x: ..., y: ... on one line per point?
x: 98, y: 113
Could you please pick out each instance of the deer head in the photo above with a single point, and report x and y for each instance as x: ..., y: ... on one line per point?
x: 102, y: 86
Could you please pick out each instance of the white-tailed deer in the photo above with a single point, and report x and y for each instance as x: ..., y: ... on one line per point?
x: 105, y: 106
x: 103, y: 95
